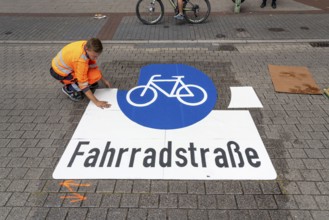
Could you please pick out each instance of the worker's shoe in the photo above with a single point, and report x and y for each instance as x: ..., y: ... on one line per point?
x: 263, y: 4
x: 73, y: 95
x: 179, y: 17
x: 274, y: 5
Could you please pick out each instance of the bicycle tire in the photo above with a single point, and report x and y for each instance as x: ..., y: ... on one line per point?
x: 133, y: 90
x: 182, y: 100
x: 196, y: 11
x: 149, y: 14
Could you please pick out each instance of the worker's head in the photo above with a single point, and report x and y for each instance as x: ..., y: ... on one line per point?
x: 94, y: 48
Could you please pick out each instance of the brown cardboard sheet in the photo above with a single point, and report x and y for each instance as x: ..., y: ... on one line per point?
x: 293, y: 79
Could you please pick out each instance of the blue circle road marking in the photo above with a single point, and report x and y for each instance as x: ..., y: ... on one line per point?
x: 169, y: 96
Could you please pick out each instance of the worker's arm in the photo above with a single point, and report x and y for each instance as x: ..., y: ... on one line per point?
x: 106, y: 83
x: 92, y: 97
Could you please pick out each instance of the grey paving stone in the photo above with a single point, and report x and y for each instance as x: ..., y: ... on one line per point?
x: 57, y: 213
x: 88, y: 186
x: 324, y: 174
x: 226, y: 202
x: 197, y: 214
x: 156, y: 214
x: 16, y: 162
x: 311, y: 175
x: 300, y: 214
x: 188, y: 201
x: 18, y: 185
x: 141, y: 186
x: 36, y: 199
x: 246, y: 202
x: 239, y: 214
x: 270, y: 187
x: 323, y: 187
x: 33, y: 173
x: 305, y: 202
x: 96, y: 213
x: 308, y: 188
x: 54, y: 200
x: 123, y: 186
x: 207, y: 202
x: 265, y: 202
x: 168, y: 201
x: 177, y: 214
x: 18, y: 199
x: 4, y: 185
x: 312, y: 164
x: 77, y: 213
x: 4, y: 197
x: 322, y: 201
x: 218, y: 214
x: 38, y: 213
x: 259, y: 214
x: 321, y: 215
x: 111, y: 200
x: 54, y: 186
x: 196, y: 187
x: 177, y: 187
x: 149, y: 201
x: 279, y: 214
x: 117, y: 214
x: 92, y: 199
x: 214, y: 187
x: 159, y: 186
x: 232, y: 187
x: 137, y: 214
x: 285, y: 202
x: 18, y: 213
x: 35, y: 186
x: 129, y: 200
x: 251, y: 187
x: 105, y: 186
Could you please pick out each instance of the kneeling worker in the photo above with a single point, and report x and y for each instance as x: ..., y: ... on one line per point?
x: 75, y: 66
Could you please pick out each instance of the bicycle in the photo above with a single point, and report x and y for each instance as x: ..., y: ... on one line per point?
x: 152, y: 11
x: 177, y: 92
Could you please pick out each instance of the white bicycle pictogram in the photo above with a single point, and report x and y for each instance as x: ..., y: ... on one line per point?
x: 180, y: 90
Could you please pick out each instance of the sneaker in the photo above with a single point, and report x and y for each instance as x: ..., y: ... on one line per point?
x: 179, y: 17
x: 74, y: 96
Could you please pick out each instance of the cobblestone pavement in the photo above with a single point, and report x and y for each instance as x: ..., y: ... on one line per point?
x: 37, y: 120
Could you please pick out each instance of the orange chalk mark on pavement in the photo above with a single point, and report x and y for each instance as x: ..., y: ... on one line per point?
x: 76, y: 197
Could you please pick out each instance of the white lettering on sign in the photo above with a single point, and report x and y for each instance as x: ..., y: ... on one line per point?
x: 108, y: 145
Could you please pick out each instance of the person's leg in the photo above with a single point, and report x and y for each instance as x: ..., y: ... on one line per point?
x: 263, y: 4
x: 70, y: 88
x: 180, y: 15
x: 274, y: 4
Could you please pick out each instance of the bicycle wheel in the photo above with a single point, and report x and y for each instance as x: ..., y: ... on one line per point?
x: 149, y: 11
x: 199, y: 95
x: 196, y: 11
x: 134, y: 96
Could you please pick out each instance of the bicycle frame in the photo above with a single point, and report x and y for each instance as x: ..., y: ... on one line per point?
x: 174, y: 5
x: 178, y: 81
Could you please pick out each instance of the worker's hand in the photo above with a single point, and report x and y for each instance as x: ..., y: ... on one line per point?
x: 102, y: 104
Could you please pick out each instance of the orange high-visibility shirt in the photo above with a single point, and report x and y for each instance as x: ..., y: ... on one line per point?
x: 72, y: 59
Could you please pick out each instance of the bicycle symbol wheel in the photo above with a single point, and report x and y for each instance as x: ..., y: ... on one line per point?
x: 199, y: 95
x: 135, y: 98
